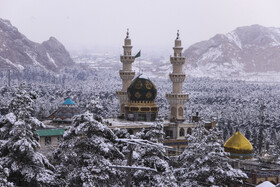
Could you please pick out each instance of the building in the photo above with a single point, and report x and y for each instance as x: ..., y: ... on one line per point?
x: 65, y: 112
x: 49, y: 138
x: 56, y: 124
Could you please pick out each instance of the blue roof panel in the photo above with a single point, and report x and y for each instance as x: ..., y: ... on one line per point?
x: 68, y: 102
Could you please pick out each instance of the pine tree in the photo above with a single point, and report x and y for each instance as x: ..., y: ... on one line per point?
x: 22, y: 163
x: 95, y: 108
x: 86, y: 153
x: 153, y: 157
x: 205, y: 162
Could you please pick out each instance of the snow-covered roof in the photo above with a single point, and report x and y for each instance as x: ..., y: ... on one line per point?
x: 122, y: 123
x: 266, y: 184
x: 115, y: 123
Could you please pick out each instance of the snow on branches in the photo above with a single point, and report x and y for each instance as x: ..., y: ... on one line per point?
x: 19, y: 144
x: 86, y: 154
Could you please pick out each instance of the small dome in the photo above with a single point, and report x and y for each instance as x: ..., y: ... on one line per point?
x: 142, y: 90
x: 238, y: 145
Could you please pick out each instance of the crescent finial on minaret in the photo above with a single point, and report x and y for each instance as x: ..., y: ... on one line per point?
x: 178, y: 34
x: 127, y: 33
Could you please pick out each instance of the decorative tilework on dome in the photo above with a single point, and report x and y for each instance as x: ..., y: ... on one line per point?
x: 142, y: 90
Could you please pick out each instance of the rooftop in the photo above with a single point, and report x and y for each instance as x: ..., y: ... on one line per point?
x: 68, y: 102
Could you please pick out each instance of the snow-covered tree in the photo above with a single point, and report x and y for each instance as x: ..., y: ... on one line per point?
x: 155, y: 133
x: 205, y: 162
x: 248, y: 133
x: 22, y: 164
x: 152, y: 157
x: 4, y: 174
x: 95, y: 108
x: 86, y: 153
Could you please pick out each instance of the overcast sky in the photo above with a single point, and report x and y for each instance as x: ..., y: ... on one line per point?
x: 82, y: 24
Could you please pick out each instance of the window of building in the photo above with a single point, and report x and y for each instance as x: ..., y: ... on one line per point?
x: 182, y: 132
x: 169, y: 134
x: 134, y: 109
x: 142, y: 117
x: 48, y: 140
x: 189, y: 131
x: 181, y: 111
x: 145, y: 109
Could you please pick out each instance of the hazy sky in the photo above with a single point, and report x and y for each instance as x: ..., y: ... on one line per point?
x: 81, y: 24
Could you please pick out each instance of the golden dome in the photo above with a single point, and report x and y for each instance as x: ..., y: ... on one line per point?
x: 238, y: 145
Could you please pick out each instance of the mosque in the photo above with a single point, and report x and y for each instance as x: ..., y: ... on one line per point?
x: 138, y: 108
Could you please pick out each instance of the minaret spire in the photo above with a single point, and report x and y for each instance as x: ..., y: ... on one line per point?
x: 177, y: 98
x: 178, y: 34
x: 126, y: 73
x: 127, y: 33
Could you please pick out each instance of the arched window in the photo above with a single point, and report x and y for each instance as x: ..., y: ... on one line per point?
x: 182, y: 132
x: 181, y: 112
x: 189, y: 131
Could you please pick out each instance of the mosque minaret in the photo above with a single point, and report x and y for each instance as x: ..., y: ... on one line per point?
x: 126, y: 73
x: 177, y: 98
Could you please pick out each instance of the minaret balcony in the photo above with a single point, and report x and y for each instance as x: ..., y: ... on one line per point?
x: 177, y: 77
x: 127, y: 75
x: 127, y: 46
x: 127, y: 59
x: 177, y: 60
x: 177, y: 98
x: 178, y: 48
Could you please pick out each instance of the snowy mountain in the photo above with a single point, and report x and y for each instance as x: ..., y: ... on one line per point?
x: 17, y: 51
x: 247, y: 51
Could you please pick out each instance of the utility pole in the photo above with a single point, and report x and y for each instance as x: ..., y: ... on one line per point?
x: 129, y: 163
